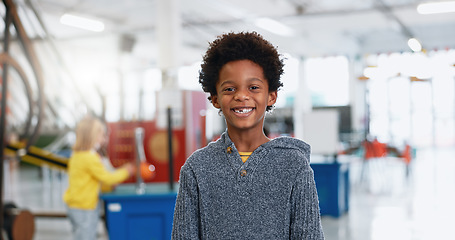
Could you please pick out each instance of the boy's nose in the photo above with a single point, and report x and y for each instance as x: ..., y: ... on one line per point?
x: 242, y: 95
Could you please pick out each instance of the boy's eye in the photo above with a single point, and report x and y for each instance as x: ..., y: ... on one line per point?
x: 229, y: 89
x: 254, y: 87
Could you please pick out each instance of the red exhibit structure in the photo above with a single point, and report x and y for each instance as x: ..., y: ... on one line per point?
x: 121, y: 148
x: 186, y: 138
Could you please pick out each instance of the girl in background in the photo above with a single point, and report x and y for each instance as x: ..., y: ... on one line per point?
x: 86, y: 173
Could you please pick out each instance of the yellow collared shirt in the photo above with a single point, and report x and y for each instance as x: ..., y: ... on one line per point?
x: 245, y: 155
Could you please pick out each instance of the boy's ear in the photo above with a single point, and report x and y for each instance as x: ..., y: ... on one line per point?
x: 214, y: 99
x: 272, y: 98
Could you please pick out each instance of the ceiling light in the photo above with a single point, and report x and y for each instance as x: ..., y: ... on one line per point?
x: 415, y: 45
x: 82, y: 22
x: 436, y: 7
x: 274, y: 26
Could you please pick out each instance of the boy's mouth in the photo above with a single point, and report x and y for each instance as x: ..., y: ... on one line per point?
x: 242, y: 110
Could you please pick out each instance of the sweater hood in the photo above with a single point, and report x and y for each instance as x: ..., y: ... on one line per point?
x: 279, y: 142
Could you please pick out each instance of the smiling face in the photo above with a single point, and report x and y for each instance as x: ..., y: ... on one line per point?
x: 243, y: 95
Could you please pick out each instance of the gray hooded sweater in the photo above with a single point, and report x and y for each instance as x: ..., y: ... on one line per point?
x: 270, y: 196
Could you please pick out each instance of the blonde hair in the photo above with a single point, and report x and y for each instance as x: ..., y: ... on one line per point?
x: 87, y: 133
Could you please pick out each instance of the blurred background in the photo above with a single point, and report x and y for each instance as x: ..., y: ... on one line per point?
x: 369, y: 84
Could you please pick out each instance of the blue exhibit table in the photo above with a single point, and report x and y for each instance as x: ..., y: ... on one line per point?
x: 332, y: 183
x: 131, y: 216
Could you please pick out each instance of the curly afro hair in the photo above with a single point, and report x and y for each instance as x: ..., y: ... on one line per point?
x: 240, y: 46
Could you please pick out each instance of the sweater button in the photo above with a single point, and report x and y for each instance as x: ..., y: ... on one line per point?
x: 243, y: 172
x: 229, y: 150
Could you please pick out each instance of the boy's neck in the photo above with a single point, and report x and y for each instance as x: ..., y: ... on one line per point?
x: 249, y: 140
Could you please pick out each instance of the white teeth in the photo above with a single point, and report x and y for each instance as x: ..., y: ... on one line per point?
x: 243, y: 110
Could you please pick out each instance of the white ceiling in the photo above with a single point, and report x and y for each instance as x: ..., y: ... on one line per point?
x: 322, y: 27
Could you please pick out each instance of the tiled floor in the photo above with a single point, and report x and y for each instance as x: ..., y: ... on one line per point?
x: 384, y: 203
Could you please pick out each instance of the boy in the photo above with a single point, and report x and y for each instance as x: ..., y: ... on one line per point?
x: 246, y: 186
